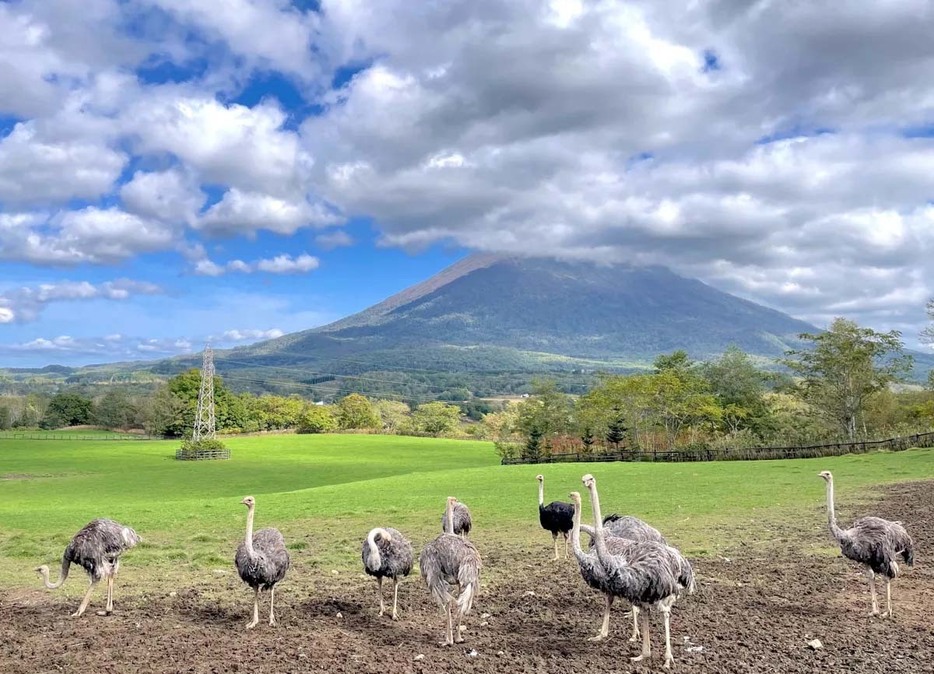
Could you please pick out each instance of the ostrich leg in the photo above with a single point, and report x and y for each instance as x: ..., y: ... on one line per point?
x: 872, y: 593
x: 379, y: 589
x: 669, y: 658
x: 635, y: 624
x: 605, y: 627
x: 395, y: 598
x: 272, y: 600
x: 110, y: 597
x: 554, y: 538
x: 255, y: 620
x: 646, y: 645
x: 449, y: 634
x: 888, y: 599
x: 565, y: 546
x: 84, y: 602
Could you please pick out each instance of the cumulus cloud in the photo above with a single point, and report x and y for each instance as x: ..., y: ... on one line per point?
x: 170, y: 196
x: 24, y: 304
x: 334, y: 239
x: 248, y: 335
x: 280, y: 264
x: 247, y: 212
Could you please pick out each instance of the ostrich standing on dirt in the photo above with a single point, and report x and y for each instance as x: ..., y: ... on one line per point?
x: 628, y: 528
x: 261, y: 561
x: 462, y: 521
x: 97, y: 548
x: 873, y: 542
x: 648, y: 574
x: 387, y: 554
x: 447, y: 561
x: 556, y: 517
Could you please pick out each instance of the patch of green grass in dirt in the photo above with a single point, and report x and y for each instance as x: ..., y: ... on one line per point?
x: 325, y: 492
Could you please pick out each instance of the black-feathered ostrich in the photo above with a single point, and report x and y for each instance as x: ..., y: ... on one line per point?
x: 96, y: 548
x: 446, y: 562
x: 462, y: 521
x: 387, y: 553
x: 261, y: 561
x: 873, y: 542
x: 556, y: 517
x: 650, y: 575
x: 628, y: 528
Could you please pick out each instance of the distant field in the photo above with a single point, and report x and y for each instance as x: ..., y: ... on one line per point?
x: 325, y: 492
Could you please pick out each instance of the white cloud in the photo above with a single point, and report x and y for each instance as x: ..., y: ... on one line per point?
x: 25, y: 303
x: 169, y: 195
x: 281, y: 264
x: 335, y: 239
x: 247, y: 212
x: 249, y: 335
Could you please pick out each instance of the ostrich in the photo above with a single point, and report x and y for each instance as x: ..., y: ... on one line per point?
x: 628, y: 528
x: 446, y: 561
x: 650, y: 575
x: 556, y: 517
x: 873, y: 542
x: 387, y: 553
x: 462, y: 522
x: 97, y: 548
x: 261, y: 561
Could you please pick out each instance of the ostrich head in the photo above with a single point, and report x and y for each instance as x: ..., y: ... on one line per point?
x: 825, y: 475
x: 248, y: 501
x: 576, y: 499
x: 588, y: 480
x: 540, y: 478
x: 451, y: 501
x: 42, y: 570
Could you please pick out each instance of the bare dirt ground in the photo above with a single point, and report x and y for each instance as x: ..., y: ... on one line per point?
x: 754, y: 612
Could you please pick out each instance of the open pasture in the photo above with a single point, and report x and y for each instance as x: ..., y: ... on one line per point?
x: 770, y: 577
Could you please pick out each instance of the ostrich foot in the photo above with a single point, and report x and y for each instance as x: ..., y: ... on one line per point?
x: 105, y: 613
x: 395, y: 616
x: 380, y: 612
x: 887, y: 614
x: 252, y: 624
x: 272, y: 622
x: 634, y: 637
x: 874, y: 613
x: 77, y: 614
x: 668, y: 662
x: 599, y: 636
x: 638, y: 658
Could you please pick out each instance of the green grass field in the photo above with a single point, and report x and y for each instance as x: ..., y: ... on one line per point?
x: 325, y: 492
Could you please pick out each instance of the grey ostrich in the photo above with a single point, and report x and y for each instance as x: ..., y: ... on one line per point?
x: 387, y: 553
x: 462, y: 521
x: 628, y: 528
x: 261, y: 561
x: 650, y: 575
x: 556, y: 517
x: 448, y: 561
x: 97, y: 549
x: 873, y: 542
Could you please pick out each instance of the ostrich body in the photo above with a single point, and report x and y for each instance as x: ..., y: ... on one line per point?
x: 96, y: 548
x: 873, y: 542
x: 387, y: 553
x: 628, y: 528
x: 593, y: 572
x: 556, y: 517
x: 462, y: 521
x: 650, y: 575
x: 261, y: 561
x: 446, y: 562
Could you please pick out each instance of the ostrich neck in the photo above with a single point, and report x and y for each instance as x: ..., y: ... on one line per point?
x: 57, y: 584
x: 449, y: 520
x: 599, y: 534
x: 576, y: 532
x: 376, y: 560
x: 249, y: 533
x: 831, y: 514
x: 541, y: 493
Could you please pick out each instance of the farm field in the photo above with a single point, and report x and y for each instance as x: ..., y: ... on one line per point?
x: 770, y: 577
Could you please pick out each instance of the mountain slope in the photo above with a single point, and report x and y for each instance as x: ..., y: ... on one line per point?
x: 531, y: 306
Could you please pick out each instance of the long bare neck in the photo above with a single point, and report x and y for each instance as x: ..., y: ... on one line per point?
x: 599, y: 534
x: 576, y: 531
x: 249, y: 532
x: 541, y: 492
x: 62, y: 575
x: 449, y: 520
x: 376, y: 559
x: 831, y: 514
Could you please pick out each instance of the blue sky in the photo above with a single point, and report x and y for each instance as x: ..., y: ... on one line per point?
x: 174, y: 172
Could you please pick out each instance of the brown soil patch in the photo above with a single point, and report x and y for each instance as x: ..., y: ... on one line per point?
x: 751, y: 614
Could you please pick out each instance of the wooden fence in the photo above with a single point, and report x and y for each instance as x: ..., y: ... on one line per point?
x: 753, y: 453
x: 41, y: 435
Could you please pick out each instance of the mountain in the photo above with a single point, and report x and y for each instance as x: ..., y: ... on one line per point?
x: 488, y: 316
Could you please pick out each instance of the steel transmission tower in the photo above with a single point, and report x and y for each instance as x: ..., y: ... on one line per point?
x: 205, y: 424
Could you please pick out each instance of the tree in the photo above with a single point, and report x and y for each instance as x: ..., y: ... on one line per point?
x: 739, y: 387
x: 547, y: 411
x: 67, y: 409
x: 115, y: 410
x: 845, y: 367
x: 392, y: 414
x: 927, y: 335
x: 533, y: 444
x: 616, y: 430
x: 317, y: 419
x: 6, y: 418
x: 676, y: 361
x: 167, y: 415
x: 435, y: 418
x: 355, y: 411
